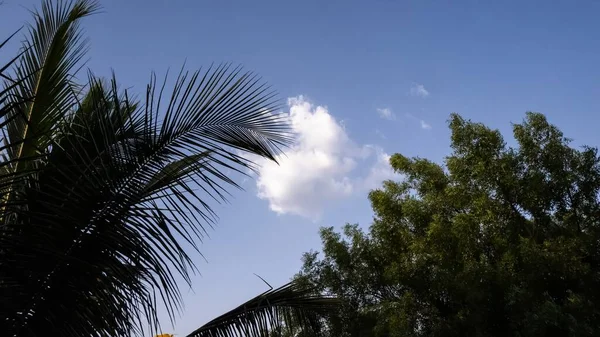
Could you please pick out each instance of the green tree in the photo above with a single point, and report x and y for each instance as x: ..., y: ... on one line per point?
x: 104, y: 197
x: 497, y: 241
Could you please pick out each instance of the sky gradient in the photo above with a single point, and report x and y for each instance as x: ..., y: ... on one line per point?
x: 362, y: 80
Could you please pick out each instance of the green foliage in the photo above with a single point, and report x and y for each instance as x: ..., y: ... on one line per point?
x: 498, y: 241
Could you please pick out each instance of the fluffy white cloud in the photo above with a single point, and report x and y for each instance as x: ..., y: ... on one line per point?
x: 419, y: 90
x: 321, y: 167
x: 424, y: 125
x: 386, y: 113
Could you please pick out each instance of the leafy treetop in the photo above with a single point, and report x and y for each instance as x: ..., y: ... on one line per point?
x: 497, y: 241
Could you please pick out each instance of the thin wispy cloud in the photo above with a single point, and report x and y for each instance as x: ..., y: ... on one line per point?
x: 380, y: 134
x: 386, y: 113
x: 424, y: 125
x: 418, y: 90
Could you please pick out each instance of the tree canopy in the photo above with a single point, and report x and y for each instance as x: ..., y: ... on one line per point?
x: 497, y: 241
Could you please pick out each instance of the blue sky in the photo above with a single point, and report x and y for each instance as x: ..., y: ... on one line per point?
x: 376, y: 77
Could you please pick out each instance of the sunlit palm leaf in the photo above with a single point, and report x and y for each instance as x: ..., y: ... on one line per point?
x: 291, y: 304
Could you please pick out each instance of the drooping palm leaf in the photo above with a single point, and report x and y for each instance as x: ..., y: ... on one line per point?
x: 291, y: 304
x: 113, y: 192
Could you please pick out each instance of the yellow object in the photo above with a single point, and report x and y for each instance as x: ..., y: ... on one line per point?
x: 165, y: 335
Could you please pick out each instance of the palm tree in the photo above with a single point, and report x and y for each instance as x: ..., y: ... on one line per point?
x: 103, y: 196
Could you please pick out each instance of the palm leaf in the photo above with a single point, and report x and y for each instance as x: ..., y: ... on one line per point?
x: 7, y: 102
x: 291, y: 305
x: 51, y: 54
x: 99, y: 244
x: 109, y: 194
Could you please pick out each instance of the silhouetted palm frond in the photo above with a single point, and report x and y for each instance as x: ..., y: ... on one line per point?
x: 291, y: 304
x: 102, y: 195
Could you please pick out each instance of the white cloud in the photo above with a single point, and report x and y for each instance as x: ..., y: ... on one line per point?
x: 386, y: 113
x: 321, y: 167
x: 380, y: 134
x: 379, y: 172
x: 423, y: 123
x: 418, y: 90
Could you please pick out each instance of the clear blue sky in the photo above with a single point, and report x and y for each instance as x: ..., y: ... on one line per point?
x: 487, y: 60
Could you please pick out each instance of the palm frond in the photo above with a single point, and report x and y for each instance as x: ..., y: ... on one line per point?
x: 51, y: 55
x: 291, y: 305
x: 104, y: 196
x: 6, y: 101
x: 118, y: 194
